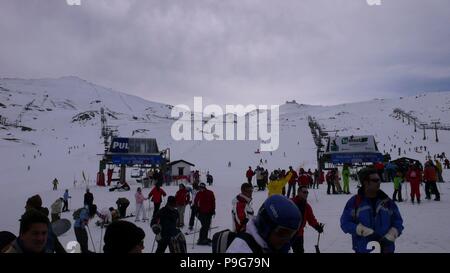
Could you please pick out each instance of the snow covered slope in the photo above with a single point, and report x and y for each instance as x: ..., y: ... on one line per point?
x: 52, y: 127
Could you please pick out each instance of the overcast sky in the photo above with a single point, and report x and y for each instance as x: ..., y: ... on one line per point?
x: 233, y: 51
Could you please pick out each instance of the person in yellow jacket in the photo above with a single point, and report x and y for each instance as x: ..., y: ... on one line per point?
x: 276, y: 186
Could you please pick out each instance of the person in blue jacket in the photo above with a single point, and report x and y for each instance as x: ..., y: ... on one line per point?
x: 371, y: 215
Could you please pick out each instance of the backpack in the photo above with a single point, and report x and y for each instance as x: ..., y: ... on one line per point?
x: 223, y: 239
x: 76, y: 214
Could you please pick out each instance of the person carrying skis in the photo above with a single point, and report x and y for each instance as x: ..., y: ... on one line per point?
x: 164, y: 225
x: 140, y: 205
x: 156, y: 195
x: 272, y: 230
x: 292, y: 182
x: 371, y: 215
x: 206, y: 204
x: 66, y: 197
x: 182, y: 199
x: 301, y: 200
x: 249, y: 174
x: 242, y: 210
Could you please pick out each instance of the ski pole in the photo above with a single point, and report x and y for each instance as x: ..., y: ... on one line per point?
x: 101, y: 236
x: 210, y: 226
x: 90, y: 235
x: 317, y: 246
x: 153, y: 245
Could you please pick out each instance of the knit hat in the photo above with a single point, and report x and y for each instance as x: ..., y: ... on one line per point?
x: 122, y: 237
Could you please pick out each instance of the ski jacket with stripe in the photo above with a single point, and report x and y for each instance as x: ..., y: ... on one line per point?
x: 380, y: 215
x: 242, y: 212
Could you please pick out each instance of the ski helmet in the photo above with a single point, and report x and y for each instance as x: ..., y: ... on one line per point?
x: 277, y: 211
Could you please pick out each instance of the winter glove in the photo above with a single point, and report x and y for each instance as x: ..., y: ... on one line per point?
x: 391, y: 235
x: 319, y: 227
x: 156, y: 228
x: 363, y: 231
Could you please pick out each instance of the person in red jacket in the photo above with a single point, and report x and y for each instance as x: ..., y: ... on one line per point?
x: 414, y: 176
x: 308, y: 216
x: 249, y: 174
x: 156, y: 195
x: 181, y: 200
x: 292, y: 182
x: 206, y: 205
x: 242, y: 208
x: 430, y: 177
x: 303, y: 178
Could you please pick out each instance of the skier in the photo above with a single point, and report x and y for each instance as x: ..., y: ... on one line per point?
x: 439, y: 170
x: 447, y: 163
x: 249, y: 174
x: 242, y: 210
x: 346, y: 178
x: 303, y: 179
x: 259, y: 178
x: 80, y: 224
x: 66, y: 197
x: 140, y: 205
x: 337, y: 182
x: 33, y: 234
x: 398, y: 179
x: 301, y: 200
x: 371, y: 215
x: 272, y: 230
x: 414, y: 177
x: 196, y: 177
x: 316, y: 179
x: 156, y: 195
x: 55, y: 184
x: 430, y: 178
x: 182, y: 199
x: 292, y: 182
x: 206, y: 204
x: 56, y: 209
x: 193, y: 191
x: 229, y: 164
x: 330, y: 181
x: 123, y: 237
x: 164, y: 225
x: 88, y: 198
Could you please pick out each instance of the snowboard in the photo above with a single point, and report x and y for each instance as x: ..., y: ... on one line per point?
x: 61, y: 226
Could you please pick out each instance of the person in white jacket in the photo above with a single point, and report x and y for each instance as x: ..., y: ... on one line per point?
x: 140, y: 205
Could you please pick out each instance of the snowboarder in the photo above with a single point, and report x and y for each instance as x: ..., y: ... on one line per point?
x: 182, y: 199
x: 362, y: 214
x: 156, y: 196
x: 66, y: 197
x: 55, y: 209
x: 139, y: 205
x: 164, y: 225
x: 242, y: 210
x: 301, y: 200
x: 206, y: 204
x: 272, y: 230
x: 55, y: 184
x: 123, y: 237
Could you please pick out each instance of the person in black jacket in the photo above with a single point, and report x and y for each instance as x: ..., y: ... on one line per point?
x: 88, y: 198
x: 164, y: 225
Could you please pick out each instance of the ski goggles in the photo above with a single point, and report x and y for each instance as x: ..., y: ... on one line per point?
x: 284, y: 233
